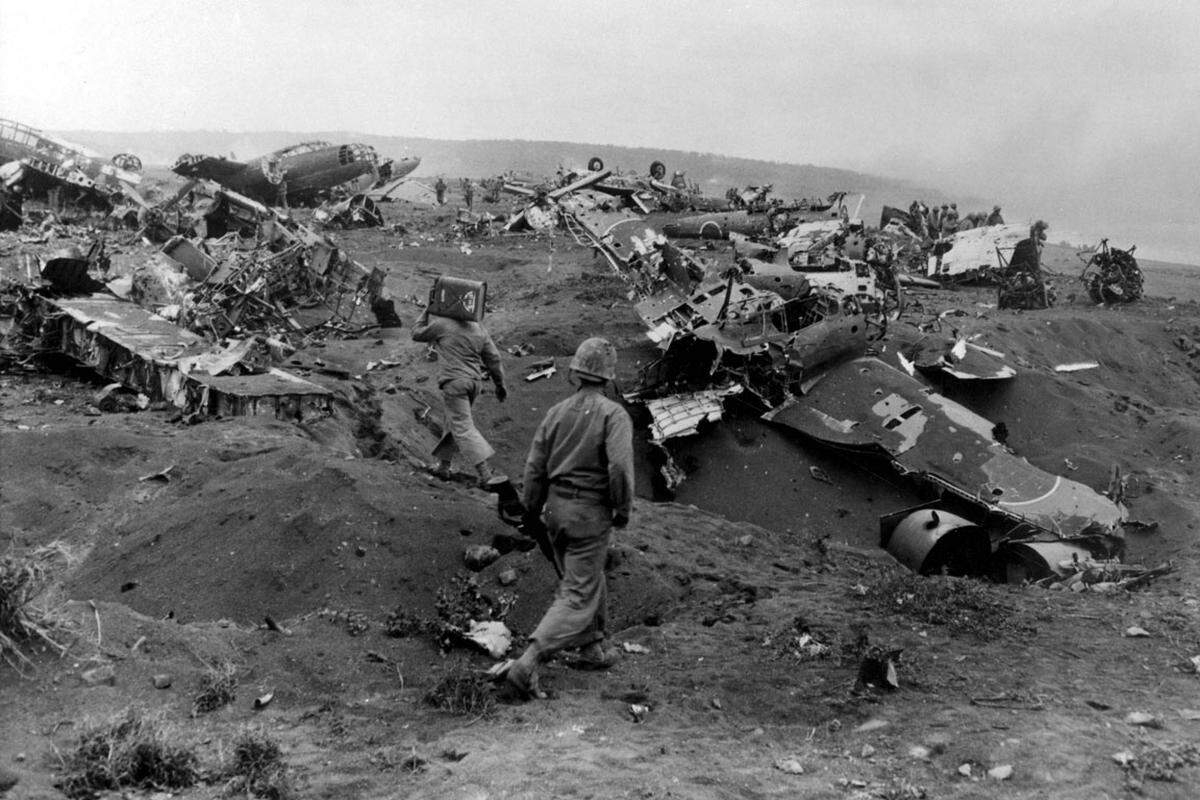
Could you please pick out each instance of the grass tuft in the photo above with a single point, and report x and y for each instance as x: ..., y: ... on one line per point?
x: 256, y: 767
x: 27, y: 618
x: 218, y: 688
x: 129, y: 751
x: 463, y: 691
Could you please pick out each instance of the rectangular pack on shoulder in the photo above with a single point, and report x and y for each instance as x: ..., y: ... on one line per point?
x: 458, y: 298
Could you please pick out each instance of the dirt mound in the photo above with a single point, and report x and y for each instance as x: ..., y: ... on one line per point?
x: 255, y: 518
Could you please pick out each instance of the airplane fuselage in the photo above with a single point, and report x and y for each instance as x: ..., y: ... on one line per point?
x: 305, y: 170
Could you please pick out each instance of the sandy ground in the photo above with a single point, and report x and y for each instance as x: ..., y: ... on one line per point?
x: 331, y: 522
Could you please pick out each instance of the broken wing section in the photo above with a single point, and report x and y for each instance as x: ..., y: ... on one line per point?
x: 868, y: 406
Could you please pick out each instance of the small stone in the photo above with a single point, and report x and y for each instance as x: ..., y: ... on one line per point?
x: 918, y: 751
x: 19, y: 757
x: 872, y: 725
x: 964, y: 770
x: 1134, y: 631
x: 867, y: 751
x: 715, y: 703
x: 162, y: 681
x: 98, y: 676
x: 791, y: 766
x: 1001, y: 773
x: 1124, y: 758
x: 360, y: 551
x: 1142, y: 719
x: 479, y: 556
x: 745, y: 541
x: 507, y: 578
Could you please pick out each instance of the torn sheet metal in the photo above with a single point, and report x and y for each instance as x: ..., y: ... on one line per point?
x: 976, y: 251
x: 868, y: 407
x: 274, y: 393
x: 138, y: 349
x: 682, y: 414
x: 959, y: 360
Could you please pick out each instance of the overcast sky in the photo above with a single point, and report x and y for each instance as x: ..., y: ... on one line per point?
x: 1077, y: 106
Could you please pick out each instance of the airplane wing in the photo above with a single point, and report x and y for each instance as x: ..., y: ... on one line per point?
x: 974, y: 250
x: 404, y: 189
x: 868, y: 406
x: 213, y: 168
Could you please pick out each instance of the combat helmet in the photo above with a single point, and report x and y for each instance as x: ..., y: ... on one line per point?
x: 595, y: 360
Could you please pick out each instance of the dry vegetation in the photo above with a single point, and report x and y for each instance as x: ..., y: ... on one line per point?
x: 28, y: 615
x: 130, y: 751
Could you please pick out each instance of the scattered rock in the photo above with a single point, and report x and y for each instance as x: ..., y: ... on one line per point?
x: 1190, y: 714
x: 791, y: 766
x: 1134, y: 631
x: 964, y: 770
x: 507, y: 578
x: 867, y: 751
x: 715, y: 703
x: 745, y: 541
x: 634, y: 647
x: 1124, y: 758
x: 99, y: 676
x: 162, y: 681
x: 479, y: 556
x: 872, y: 725
x: 1001, y: 773
x: 360, y: 551
x: 919, y: 752
x: 1142, y: 719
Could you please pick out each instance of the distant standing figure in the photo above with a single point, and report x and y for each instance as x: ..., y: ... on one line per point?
x: 439, y: 187
x: 580, y: 471
x: 465, y: 352
x: 1027, y: 255
x: 950, y: 219
x: 468, y: 190
x: 994, y: 218
x: 283, y: 193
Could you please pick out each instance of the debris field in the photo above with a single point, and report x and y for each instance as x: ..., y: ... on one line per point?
x: 917, y: 515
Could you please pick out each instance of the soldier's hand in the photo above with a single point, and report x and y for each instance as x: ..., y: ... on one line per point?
x: 620, y: 520
x: 501, y: 392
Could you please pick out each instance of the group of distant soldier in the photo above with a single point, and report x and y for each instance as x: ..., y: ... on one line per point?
x: 492, y: 188
x: 934, y: 222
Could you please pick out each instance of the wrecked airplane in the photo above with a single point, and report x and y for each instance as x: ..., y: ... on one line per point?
x: 46, y: 166
x: 203, y: 323
x: 759, y: 217
x: 302, y: 173
x: 990, y: 512
x: 1111, y: 275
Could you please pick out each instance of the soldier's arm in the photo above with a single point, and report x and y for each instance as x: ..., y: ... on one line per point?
x: 427, y: 329
x: 618, y: 443
x: 491, y: 360
x: 537, y: 478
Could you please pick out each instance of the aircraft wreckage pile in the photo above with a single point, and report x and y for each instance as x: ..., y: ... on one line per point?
x: 202, y: 323
x: 788, y: 329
